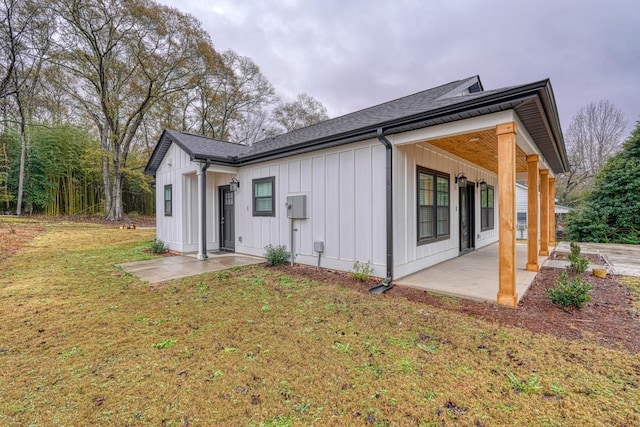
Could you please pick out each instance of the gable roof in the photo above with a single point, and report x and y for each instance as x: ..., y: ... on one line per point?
x: 461, y: 99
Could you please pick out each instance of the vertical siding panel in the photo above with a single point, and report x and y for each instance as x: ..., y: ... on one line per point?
x: 305, y: 226
x: 332, y: 206
x: 363, y: 207
x: 379, y: 203
x: 317, y: 200
x: 294, y: 176
x: 282, y: 189
x: 347, y: 206
x: 305, y: 175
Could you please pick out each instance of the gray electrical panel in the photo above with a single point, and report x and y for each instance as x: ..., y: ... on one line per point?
x: 296, y: 207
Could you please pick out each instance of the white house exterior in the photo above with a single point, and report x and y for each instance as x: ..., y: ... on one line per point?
x: 403, y: 185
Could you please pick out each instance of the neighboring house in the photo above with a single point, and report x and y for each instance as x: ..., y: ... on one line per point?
x: 521, y: 213
x: 405, y: 184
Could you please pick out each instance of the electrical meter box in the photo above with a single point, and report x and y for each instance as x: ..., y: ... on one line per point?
x: 296, y: 207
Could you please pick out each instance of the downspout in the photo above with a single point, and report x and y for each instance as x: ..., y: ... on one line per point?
x: 202, y: 203
x: 386, y: 282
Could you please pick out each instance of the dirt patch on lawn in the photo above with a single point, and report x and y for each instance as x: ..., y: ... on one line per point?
x: 14, y: 236
x: 609, y: 319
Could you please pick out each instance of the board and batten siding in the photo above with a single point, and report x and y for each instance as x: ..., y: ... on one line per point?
x: 345, y: 189
x: 410, y: 257
x: 179, y: 232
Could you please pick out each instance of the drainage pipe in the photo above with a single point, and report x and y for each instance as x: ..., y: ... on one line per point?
x: 389, y: 191
x: 202, y: 204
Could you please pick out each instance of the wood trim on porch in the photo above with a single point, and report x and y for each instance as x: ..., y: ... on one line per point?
x: 532, y: 213
x: 506, y: 133
x: 552, y: 212
x: 544, y: 212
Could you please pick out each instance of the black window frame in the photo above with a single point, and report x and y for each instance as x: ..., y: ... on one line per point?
x: 168, y: 202
x: 435, y: 237
x: 272, y: 181
x: 487, y: 213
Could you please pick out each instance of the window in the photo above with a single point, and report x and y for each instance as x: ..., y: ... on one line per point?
x: 486, y: 208
x: 433, y: 206
x: 522, y: 218
x: 168, y: 197
x: 263, y: 199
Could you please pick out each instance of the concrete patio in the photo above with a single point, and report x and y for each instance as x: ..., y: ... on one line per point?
x: 472, y: 276
x: 175, y: 267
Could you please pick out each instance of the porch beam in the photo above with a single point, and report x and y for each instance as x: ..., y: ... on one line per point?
x: 544, y: 212
x: 532, y: 213
x: 552, y: 212
x: 506, y: 133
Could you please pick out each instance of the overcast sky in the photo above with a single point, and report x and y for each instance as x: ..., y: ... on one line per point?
x: 352, y: 54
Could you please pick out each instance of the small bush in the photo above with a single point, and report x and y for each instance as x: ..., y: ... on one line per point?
x: 570, y: 293
x: 362, y: 271
x: 158, y: 247
x: 276, y: 255
x: 575, y: 249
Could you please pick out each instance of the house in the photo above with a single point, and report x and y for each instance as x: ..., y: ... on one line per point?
x: 521, y: 213
x: 405, y: 184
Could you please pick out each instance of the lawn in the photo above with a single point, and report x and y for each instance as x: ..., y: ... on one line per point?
x: 83, y: 343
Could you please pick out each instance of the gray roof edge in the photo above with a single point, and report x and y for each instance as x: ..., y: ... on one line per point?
x: 555, y: 125
x: 523, y: 92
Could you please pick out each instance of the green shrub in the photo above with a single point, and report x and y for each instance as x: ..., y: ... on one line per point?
x: 276, y: 255
x: 362, y: 271
x: 570, y: 293
x: 578, y: 264
x: 158, y: 247
x: 575, y: 249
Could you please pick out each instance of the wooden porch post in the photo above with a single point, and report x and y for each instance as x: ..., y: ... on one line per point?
x: 544, y: 212
x: 552, y: 212
x: 532, y: 213
x: 506, y: 133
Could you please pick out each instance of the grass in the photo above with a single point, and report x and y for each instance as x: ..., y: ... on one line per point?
x: 86, y: 344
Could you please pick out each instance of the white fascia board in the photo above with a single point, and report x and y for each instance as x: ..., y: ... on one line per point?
x: 223, y: 169
x: 474, y: 124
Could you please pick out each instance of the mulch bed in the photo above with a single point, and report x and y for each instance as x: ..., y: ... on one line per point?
x: 609, y: 319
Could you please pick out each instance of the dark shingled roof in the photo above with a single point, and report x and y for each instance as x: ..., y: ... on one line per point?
x: 457, y: 100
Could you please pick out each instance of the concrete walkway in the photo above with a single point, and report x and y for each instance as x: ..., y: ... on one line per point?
x: 472, y: 276
x: 622, y: 259
x: 175, y: 267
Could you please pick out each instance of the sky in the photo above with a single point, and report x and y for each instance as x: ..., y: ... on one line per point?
x: 352, y: 54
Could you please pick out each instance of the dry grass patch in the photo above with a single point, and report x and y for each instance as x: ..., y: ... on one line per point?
x: 86, y: 343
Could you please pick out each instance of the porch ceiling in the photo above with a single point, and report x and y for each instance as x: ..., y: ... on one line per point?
x: 479, y: 147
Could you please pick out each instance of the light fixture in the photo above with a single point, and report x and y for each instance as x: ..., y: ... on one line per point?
x: 482, y: 184
x: 234, y: 185
x: 461, y: 180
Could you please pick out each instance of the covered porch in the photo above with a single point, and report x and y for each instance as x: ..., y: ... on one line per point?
x: 476, y: 275
x: 496, y: 150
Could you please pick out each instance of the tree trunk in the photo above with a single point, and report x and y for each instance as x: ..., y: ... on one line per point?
x: 5, y: 172
x: 23, y: 156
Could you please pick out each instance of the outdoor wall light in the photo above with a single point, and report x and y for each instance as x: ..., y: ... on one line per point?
x: 234, y: 185
x: 482, y: 184
x: 461, y: 180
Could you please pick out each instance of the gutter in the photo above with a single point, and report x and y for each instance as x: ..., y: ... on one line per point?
x: 202, y: 202
x: 386, y: 284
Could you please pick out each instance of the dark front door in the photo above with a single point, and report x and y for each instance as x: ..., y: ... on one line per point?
x: 467, y: 219
x: 227, y: 215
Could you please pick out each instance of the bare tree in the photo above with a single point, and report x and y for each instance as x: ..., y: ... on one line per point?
x: 227, y: 99
x: 595, y: 134
x: 124, y: 56
x: 304, y: 111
